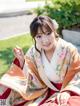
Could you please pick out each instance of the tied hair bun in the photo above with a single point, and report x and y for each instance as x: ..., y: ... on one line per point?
x: 55, y: 24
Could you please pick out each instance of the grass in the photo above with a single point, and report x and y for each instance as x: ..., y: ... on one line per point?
x: 6, y: 50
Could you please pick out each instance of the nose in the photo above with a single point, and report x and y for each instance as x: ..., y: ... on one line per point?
x: 44, y: 39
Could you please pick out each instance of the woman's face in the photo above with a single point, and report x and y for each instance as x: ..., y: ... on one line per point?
x: 46, y: 40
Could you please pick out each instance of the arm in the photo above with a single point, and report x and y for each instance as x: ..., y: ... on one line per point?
x: 71, y: 83
x: 73, y: 69
x: 26, y: 81
x: 19, y: 57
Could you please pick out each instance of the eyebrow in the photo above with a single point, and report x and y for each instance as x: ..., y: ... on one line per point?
x: 40, y: 33
x: 43, y: 32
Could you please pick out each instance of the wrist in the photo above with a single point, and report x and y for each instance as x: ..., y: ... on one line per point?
x: 22, y: 63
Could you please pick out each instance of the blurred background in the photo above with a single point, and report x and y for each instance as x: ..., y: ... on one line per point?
x: 15, y: 19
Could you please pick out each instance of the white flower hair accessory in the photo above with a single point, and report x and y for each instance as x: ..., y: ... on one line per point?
x: 55, y: 24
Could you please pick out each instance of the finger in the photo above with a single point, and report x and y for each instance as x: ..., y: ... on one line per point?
x: 58, y: 98
x: 17, y: 54
x: 18, y: 51
x: 64, y: 98
x: 18, y: 47
x: 63, y: 101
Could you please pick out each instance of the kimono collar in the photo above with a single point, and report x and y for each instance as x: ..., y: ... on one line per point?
x: 41, y: 70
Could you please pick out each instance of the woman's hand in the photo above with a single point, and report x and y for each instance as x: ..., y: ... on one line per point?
x: 63, y: 98
x: 18, y: 53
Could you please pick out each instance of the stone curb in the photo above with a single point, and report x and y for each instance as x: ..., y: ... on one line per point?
x: 13, y: 14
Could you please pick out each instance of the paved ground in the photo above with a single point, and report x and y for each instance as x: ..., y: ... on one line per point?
x: 7, y: 6
x: 13, y: 20
x: 11, y: 26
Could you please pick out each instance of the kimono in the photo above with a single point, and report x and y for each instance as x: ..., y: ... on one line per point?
x: 40, y: 81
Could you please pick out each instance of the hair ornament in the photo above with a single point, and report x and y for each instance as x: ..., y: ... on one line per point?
x: 55, y: 24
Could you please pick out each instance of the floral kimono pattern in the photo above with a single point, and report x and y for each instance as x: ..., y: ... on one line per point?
x: 31, y: 87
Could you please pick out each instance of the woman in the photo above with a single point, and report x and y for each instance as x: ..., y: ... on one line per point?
x: 48, y: 75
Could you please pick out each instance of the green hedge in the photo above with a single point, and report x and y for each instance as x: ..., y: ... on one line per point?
x: 66, y: 12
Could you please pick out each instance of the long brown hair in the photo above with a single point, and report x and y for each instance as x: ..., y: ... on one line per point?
x: 42, y: 22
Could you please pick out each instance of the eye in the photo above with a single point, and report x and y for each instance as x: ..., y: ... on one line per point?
x: 48, y: 33
x: 38, y: 36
